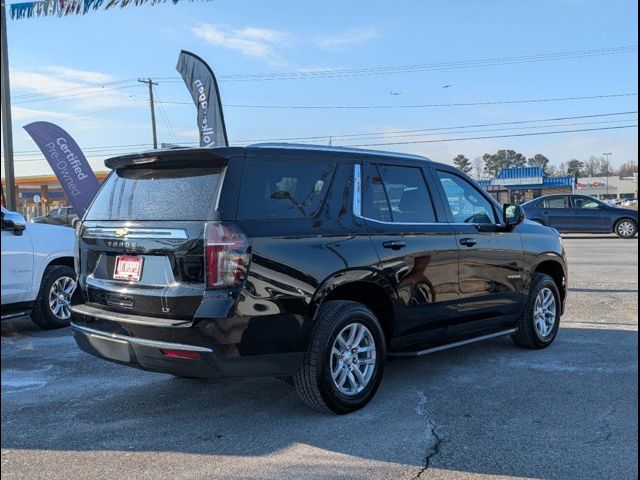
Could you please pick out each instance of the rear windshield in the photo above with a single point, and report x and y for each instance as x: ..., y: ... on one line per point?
x: 157, y: 194
x: 283, y: 189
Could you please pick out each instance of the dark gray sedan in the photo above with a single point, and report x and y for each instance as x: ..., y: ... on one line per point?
x: 582, y: 214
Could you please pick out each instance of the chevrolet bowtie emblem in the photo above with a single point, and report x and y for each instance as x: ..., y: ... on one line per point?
x: 122, y: 232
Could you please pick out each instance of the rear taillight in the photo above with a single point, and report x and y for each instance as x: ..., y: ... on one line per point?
x: 226, y: 255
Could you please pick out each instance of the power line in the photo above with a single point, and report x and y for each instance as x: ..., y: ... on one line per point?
x: 442, y: 140
x: 497, y: 136
x: 166, y: 121
x: 96, y: 91
x: 496, y: 129
x: 427, y: 105
x: 476, y: 125
x: 397, y: 69
x: 72, y: 89
x: 371, y: 135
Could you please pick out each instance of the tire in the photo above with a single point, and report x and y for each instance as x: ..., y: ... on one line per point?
x: 626, y: 228
x: 528, y: 335
x: 43, y: 314
x: 314, y: 381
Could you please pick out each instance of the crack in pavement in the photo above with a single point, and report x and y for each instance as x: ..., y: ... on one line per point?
x: 434, y: 441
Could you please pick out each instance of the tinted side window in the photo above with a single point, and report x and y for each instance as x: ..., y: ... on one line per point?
x: 557, y: 202
x: 397, y: 194
x: 467, y: 204
x: 375, y: 204
x: 283, y: 189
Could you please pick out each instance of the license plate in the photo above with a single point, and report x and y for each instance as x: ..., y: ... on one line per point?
x: 127, y: 268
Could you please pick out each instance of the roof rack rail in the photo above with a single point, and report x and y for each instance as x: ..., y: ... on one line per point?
x: 326, y: 148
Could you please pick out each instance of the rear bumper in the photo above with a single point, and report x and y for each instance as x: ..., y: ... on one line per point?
x: 152, y: 355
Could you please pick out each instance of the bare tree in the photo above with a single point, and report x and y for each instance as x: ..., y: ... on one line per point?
x: 594, y: 166
x: 478, y: 168
x: 627, y: 169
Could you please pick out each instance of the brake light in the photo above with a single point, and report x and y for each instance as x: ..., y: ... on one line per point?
x: 226, y: 255
x: 179, y: 354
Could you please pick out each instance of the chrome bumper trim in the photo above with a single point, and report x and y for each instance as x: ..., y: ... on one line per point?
x: 140, y: 341
x: 95, y: 312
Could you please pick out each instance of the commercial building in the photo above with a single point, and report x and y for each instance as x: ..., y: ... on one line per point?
x: 518, y: 185
x: 47, y: 188
x: 606, y: 188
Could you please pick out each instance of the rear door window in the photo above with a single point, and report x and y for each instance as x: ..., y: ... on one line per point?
x: 279, y: 189
x: 557, y: 202
x: 396, y: 194
x: 187, y: 193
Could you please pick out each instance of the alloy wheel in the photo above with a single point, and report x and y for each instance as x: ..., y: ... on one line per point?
x: 545, y: 313
x: 353, y: 359
x: 60, y: 297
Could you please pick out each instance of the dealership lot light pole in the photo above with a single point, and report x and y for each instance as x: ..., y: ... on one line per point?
x: 606, y: 165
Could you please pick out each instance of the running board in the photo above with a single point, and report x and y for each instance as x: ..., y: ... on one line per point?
x: 451, y: 345
x: 9, y: 316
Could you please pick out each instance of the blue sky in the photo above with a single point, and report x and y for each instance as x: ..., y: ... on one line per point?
x: 59, y: 64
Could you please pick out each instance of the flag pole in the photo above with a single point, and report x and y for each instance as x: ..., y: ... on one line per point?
x: 7, y: 134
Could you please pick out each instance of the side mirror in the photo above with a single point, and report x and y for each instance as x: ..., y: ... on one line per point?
x: 513, y: 215
x: 17, y: 228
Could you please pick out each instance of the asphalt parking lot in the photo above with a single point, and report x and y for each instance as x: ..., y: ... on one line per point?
x: 488, y: 410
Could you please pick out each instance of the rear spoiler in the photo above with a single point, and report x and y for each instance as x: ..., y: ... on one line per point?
x: 176, y: 157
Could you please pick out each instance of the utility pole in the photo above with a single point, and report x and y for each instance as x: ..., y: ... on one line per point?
x: 150, y: 83
x: 7, y: 134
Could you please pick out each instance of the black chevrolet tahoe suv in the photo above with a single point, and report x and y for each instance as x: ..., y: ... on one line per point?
x: 310, y: 263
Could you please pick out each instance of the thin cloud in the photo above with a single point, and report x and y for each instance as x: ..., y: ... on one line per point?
x: 250, y: 41
x: 79, y: 89
x: 348, y: 39
x: 79, y: 75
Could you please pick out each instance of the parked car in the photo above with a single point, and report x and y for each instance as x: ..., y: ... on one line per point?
x: 38, y: 278
x: 59, y: 216
x: 582, y: 214
x: 309, y: 262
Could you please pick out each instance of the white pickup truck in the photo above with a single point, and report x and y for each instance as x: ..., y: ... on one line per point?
x: 38, y: 277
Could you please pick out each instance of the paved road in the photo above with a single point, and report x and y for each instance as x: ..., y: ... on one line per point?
x: 485, y: 411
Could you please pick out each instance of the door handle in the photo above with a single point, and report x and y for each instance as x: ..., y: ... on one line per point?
x: 468, y: 242
x: 394, y: 244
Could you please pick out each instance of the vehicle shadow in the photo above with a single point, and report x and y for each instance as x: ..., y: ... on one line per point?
x: 596, y: 236
x: 488, y: 408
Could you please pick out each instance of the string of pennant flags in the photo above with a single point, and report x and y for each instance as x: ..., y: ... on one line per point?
x: 62, y: 8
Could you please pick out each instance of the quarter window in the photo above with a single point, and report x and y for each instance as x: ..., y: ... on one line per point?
x: 283, y: 189
x: 396, y: 194
x: 467, y: 204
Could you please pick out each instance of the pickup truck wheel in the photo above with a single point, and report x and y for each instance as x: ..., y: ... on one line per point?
x: 626, y: 228
x: 343, y: 366
x: 51, y: 309
x: 538, y: 326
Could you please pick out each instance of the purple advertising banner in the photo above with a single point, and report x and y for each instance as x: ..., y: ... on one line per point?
x: 68, y: 163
